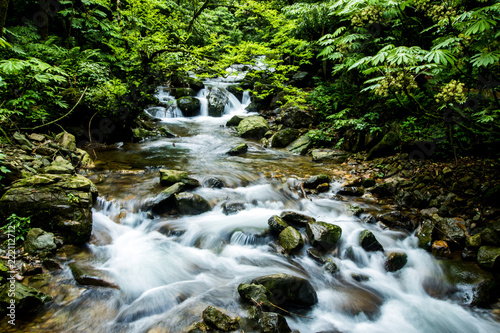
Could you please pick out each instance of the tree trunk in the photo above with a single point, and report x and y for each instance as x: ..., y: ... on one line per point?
x: 4, y: 6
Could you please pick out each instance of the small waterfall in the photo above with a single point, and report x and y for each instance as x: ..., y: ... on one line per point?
x: 168, y: 105
x: 246, y: 98
x: 202, y: 97
x: 233, y: 105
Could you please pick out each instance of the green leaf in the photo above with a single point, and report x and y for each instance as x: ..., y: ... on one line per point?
x: 485, y: 59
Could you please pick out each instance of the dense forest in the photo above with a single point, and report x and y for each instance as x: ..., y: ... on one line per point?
x: 426, y: 69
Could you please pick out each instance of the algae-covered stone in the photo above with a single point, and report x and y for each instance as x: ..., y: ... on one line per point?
x: 190, y: 106
x: 253, y: 127
x: 314, y: 181
x: 59, y: 166
x: 170, y: 177
x: 238, y: 150
x: 395, y: 261
x: 216, y: 319
x: 288, y: 290
x: 291, y: 240
x: 271, y: 322
x: 39, y: 241
x: 255, y: 294
x: 488, y: 257
x: 369, y: 242
x: 424, y: 234
x: 234, y: 121
x: 27, y: 300
x: 332, y: 156
x: 296, y: 219
x: 284, y: 137
x: 165, y: 200
x: 191, y: 203
x: 66, y: 140
x: 323, y: 235
x: 277, y: 224
x: 385, y: 147
x: 89, y: 276
x: 301, y: 145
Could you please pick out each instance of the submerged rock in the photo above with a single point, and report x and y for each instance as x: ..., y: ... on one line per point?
x: 395, y: 261
x: 253, y: 127
x: 323, y: 235
x: 88, y: 276
x: 369, y: 242
x: 27, y: 300
x: 170, y: 177
x: 191, y: 204
x: 238, y: 150
x: 291, y: 240
x: 232, y: 207
x: 288, y: 290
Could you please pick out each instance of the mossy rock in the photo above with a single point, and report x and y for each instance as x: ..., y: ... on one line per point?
x: 27, y: 300
x: 291, y: 240
x: 253, y: 127
x: 191, y: 203
x: 395, y: 261
x: 369, y: 242
x: 323, y: 235
x: 284, y: 137
x: 288, y: 290
x: 218, y: 320
x: 238, y: 150
x: 277, y: 224
x: 171, y: 177
x: 301, y: 145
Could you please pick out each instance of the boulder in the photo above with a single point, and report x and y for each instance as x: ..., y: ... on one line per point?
x: 39, y: 242
x: 213, y: 182
x: 369, y: 242
x: 296, y: 219
x: 88, y: 276
x: 440, y: 249
x: 256, y: 293
x: 191, y: 204
x: 165, y: 200
x: 232, y: 207
x: 184, y: 92
x: 300, y: 146
x: 295, y: 117
x: 291, y: 240
x: 59, y: 166
x: 217, y: 100
x: 395, y: 261
x: 271, y: 322
x: 190, y: 106
x: 236, y: 90
x: 61, y: 204
x: 66, y: 140
x: 384, y: 190
x: 171, y: 177
x: 396, y: 220
x: 488, y: 257
x: 351, y: 191
x: 284, y: 137
x: 218, y: 320
x: 424, y: 233
x: 288, y: 290
x: 323, y: 235
x: 22, y: 140
x: 238, y: 150
x: 234, y: 121
x: 277, y: 224
x: 314, y: 181
x: 385, y: 147
x: 27, y: 300
x: 328, y: 155
x: 451, y: 230
x: 253, y: 127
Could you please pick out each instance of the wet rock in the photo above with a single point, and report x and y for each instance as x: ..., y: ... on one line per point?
x: 424, y: 233
x: 413, y: 199
x: 37, y: 137
x: 234, y: 121
x: 369, y: 242
x: 52, y: 264
x: 383, y: 190
x: 232, y: 207
x: 488, y: 258
x: 236, y: 90
x: 331, y: 267
x: 288, y: 290
x: 351, y: 191
x: 191, y: 204
x: 88, y: 276
x: 323, y: 235
x: 190, y: 106
x: 238, y: 150
x: 256, y: 294
x: 484, y: 288
x: 22, y: 140
x: 315, y: 255
x: 165, y: 200
x: 284, y: 137
x: 451, y: 230
x: 300, y: 146
x: 295, y: 117
x: 396, y: 220
x: 491, y: 234
x: 216, y: 319
x: 469, y: 254
x: 356, y: 210
x: 213, y: 182
x: 66, y: 140
x: 296, y: 219
x: 184, y: 92
x: 271, y: 322
x: 385, y: 147
x: 39, y: 242
x: 395, y: 261
x: 441, y: 249
x: 474, y: 241
x: 314, y: 181
x: 217, y: 101
x: 362, y: 301
x: 325, y: 187
x: 171, y: 177
x: 291, y: 240
x: 253, y: 127
x: 27, y: 300
x: 332, y: 156
x: 59, y: 166
x: 369, y: 182
x: 56, y: 203
x: 277, y: 224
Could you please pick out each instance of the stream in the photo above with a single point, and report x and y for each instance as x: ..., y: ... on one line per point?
x: 169, y: 269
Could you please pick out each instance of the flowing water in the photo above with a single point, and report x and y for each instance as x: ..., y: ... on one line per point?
x: 169, y: 269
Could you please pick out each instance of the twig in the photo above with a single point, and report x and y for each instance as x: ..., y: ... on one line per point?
x: 259, y: 304
x: 304, y: 194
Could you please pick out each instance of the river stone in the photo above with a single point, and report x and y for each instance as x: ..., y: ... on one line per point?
x: 351, y: 191
x: 253, y: 127
x: 217, y: 100
x: 27, y: 300
x: 61, y: 204
x: 291, y: 240
x: 396, y: 220
x: 271, y: 322
x: 232, y: 207
x: 474, y: 241
x: 301, y: 145
x: 332, y: 156
x: 277, y: 224
x: 213, y: 182
x: 88, y: 276
x: 238, y: 150
x: 39, y: 241
x: 386, y: 146
x: 296, y: 219
x: 216, y: 319
x: 165, y: 200
x: 488, y: 257
x: 66, y: 140
x: 484, y: 288
x: 21, y: 139
x: 234, y: 121
x: 387, y: 189
x: 256, y: 294
x: 323, y: 235
x: 236, y: 90
x: 451, y: 230
x: 184, y: 92
x: 170, y: 177
x: 296, y: 117
x: 424, y: 233
x: 190, y: 106
x: 395, y: 261
x: 314, y: 181
x: 441, y: 249
x: 191, y: 204
x: 59, y: 166
x: 37, y: 137
x: 85, y: 159
x: 288, y: 290
x: 284, y: 137
x: 369, y: 242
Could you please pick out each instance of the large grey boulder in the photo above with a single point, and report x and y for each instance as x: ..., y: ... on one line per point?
x: 217, y: 100
x: 284, y: 137
x: 253, y: 127
x: 39, y: 241
x: 190, y: 106
x: 322, y: 234
x: 296, y: 117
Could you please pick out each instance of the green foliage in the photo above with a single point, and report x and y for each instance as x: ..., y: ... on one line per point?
x: 17, y: 226
x: 3, y: 170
